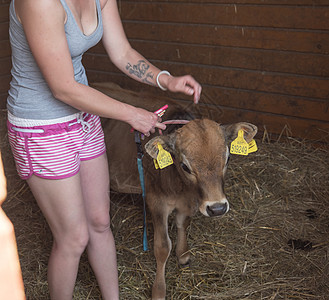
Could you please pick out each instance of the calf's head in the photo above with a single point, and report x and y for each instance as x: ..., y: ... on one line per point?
x: 200, y: 151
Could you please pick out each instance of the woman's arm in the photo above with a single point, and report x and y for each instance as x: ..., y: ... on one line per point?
x: 11, y: 282
x: 133, y: 63
x: 43, y: 23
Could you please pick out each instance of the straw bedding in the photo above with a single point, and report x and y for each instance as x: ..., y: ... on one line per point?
x: 273, y: 243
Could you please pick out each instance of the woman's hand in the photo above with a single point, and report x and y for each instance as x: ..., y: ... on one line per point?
x: 145, y: 121
x: 184, y: 84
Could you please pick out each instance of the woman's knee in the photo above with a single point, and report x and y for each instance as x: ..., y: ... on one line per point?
x: 99, y: 222
x: 72, y: 241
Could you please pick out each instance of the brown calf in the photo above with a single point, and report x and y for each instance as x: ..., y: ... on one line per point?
x: 194, y: 182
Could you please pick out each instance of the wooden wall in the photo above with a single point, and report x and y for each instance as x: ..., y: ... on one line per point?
x: 263, y: 61
x: 5, y: 62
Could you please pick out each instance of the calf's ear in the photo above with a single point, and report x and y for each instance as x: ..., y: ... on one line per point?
x: 231, y: 131
x: 166, y: 141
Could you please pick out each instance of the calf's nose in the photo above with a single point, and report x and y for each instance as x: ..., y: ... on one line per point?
x: 217, y: 209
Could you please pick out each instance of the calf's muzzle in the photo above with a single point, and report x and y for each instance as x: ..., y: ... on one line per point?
x: 217, y: 209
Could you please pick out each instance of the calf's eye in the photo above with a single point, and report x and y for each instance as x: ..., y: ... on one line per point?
x: 185, y: 168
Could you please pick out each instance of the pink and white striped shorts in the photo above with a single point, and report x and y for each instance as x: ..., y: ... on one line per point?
x: 54, y: 151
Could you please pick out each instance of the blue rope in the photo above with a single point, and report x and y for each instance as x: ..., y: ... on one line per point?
x: 142, y: 181
x: 141, y: 178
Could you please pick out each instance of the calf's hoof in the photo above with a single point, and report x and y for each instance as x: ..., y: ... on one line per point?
x: 159, y: 292
x: 184, y: 259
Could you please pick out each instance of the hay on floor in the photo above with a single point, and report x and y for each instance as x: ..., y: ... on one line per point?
x: 273, y: 244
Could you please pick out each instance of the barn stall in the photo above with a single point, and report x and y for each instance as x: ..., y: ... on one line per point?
x: 257, y: 65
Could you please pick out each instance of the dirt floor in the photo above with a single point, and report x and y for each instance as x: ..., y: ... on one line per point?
x: 273, y: 243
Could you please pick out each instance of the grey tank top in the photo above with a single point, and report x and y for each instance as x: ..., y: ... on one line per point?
x: 29, y: 95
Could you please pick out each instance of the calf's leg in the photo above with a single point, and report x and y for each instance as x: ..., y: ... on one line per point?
x: 162, y: 248
x: 182, y: 222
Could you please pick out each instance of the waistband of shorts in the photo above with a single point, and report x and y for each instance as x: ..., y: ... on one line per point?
x: 16, y: 121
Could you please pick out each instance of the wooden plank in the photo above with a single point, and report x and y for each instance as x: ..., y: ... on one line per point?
x: 4, y: 87
x: 246, y: 37
x: 271, y: 82
x: 267, y: 103
x: 5, y: 66
x: 245, y: 58
x: 5, y: 49
x: 4, y: 83
x: 293, y: 17
x: 282, y: 125
x: 276, y: 124
x: 5, y: 52
x: 288, y: 84
x: 4, y: 31
x: 3, y: 100
x: 4, y: 13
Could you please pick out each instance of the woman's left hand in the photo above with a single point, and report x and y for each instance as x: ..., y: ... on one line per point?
x: 184, y: 84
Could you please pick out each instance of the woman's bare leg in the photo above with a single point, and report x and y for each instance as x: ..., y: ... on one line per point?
x: 101, y: 246
x: 61, y: 202
x: 77, y: 211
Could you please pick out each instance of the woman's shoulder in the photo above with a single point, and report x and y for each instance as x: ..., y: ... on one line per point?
x: 30, y: 7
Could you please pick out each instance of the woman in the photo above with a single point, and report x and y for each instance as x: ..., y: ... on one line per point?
x: 54, y: 128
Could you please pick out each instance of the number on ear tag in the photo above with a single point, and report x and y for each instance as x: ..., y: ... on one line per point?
x: 164, y: 158
x: 239, y: 146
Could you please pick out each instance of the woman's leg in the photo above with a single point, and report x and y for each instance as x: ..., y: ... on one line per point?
x: 101, y: 246
x: 61, y: 202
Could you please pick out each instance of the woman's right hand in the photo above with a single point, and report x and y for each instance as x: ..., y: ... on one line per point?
x: 145, y: 121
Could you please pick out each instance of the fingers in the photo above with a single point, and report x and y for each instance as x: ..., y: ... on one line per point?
x: 187, y: 85
x: 160, y: 125
x: 197, y: 93
x: 193, y: 88
x: 146, y: 122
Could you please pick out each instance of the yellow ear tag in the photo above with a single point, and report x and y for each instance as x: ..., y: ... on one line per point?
x: 164, y: 158
x: 252, y: 147
x: 239, y: 146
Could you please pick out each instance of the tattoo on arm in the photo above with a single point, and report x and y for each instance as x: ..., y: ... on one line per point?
x: 140, y: 70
